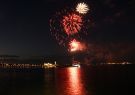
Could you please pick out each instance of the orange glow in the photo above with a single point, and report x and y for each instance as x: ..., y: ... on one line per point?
x: 76, y: 46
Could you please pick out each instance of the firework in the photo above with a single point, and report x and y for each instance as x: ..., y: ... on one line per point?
x: 75, y: 45
x: 82, y: 8
x: 67, y: 24
x: 72, y: 23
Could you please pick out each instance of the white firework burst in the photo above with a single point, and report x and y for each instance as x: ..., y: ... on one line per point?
x: 82, y: 8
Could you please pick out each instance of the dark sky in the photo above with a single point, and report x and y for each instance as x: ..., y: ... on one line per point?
x: 24, y: 25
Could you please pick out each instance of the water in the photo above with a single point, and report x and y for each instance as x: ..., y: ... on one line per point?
x: 95, y: 80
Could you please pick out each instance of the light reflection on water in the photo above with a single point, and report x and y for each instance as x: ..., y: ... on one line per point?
x: 97, y: 80
x: 75, y: 85
x: 70, y: 82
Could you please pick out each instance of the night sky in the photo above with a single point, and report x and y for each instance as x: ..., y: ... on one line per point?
x: 25, y: 30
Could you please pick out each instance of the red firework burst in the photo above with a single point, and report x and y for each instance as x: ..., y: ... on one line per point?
x: 72, y: 23
x: 66, y: 25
